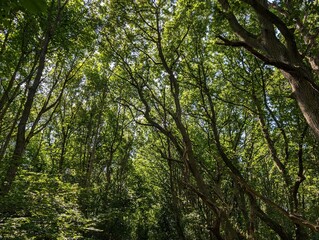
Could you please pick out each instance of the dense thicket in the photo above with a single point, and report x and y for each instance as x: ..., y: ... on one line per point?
x: 142, y: 119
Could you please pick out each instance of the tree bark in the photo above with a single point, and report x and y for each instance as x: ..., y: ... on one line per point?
x: 282, y: 54
x: 21, y: 140
x: 21, y: 134
x: 306, y: 93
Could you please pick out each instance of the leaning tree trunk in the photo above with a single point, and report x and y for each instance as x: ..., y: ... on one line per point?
x: 275, y: 44
x: 306, y: 93
x: 283, y: 54
x: 21, y: 139
x: 21, y: 133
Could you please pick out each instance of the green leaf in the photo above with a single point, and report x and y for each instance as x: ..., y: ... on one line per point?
x: 34, y: 6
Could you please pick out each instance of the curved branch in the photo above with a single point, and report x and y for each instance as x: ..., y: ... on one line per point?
x: 274, y: 19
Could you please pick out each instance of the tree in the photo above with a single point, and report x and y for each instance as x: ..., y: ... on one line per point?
x: 141, y: 127
x: 286, y: 38
x: 46, y: 64
x: 162, y: 67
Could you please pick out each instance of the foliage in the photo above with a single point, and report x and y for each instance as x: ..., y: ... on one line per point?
x: 158, y: 119
x: 41, y: 206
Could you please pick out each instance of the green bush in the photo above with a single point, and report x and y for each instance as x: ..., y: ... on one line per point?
x: 41, y: 206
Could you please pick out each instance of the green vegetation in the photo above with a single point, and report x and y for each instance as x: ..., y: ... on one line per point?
x: 178, y: 119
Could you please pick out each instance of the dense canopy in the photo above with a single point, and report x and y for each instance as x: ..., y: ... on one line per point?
x: 154, y: 119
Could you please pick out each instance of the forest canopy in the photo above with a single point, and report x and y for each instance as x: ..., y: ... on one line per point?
x: 154, y: 119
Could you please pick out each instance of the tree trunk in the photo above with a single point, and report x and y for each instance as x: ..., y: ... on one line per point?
x: 284, y: 55
x: 21, y: 140
x: 306, y: 93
